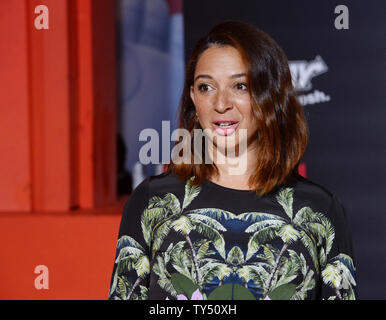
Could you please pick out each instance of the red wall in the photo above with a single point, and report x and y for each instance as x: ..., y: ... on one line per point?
x: 58, y: 176
x: 78, y: 250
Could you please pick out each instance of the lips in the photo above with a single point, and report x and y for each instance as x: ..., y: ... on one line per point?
x: 225, y: 127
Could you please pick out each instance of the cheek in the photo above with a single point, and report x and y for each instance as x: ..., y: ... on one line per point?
x: 204, y: 117
x: 245, y: 108
x: 249, y: 116
x: 244, y: 102
x: 242, y: 99
x: 202, y: 101
x: 203, y: 108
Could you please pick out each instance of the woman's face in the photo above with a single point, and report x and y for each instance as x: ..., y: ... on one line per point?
x: 221, y: 96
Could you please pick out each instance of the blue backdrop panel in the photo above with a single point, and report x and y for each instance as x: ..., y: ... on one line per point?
x: 151, y: 72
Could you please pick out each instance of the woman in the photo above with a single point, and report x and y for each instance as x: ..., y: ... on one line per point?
x: 255, y: 230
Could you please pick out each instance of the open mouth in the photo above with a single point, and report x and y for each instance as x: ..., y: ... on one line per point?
x: 225, y: 127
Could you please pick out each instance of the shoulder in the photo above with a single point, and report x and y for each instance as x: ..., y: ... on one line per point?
x: 158, y: 185
x: 313, y: 188
x: 324, y: 203
x: 316, y: 196
x: 164, y: 181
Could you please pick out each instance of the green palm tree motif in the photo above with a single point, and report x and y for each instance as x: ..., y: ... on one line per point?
x: 206, y: 222
x: 299, y: 263
x: 206, y: 226
x: 159, y: 210
x: 182, y: 262
x: 259, y: 272
x: 337, y: 274
x: 160, y: 213
x: 235, y: 263
x: 235, y: 259
x: 266, y: 227
x: 213, y: 268
x: 164, y: 215
x: 290, y: 268
x: 131, y: 256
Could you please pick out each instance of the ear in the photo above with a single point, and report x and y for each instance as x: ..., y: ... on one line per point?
x: 192, y: 93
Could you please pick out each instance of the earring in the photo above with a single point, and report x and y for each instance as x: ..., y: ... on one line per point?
x: 196, y: 121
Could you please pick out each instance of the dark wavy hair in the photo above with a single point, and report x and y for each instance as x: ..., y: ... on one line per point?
x: 282, y: 127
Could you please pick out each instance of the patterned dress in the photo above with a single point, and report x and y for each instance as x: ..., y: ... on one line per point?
x: 209, y: 242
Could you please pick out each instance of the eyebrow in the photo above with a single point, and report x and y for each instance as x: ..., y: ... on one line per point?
x: 207, y: 76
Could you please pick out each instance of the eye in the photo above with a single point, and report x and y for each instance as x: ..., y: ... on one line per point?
x: 203, y: 87
x: 241, y: 86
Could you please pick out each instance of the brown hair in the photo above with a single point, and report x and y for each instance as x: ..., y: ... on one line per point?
x: 283, y: 132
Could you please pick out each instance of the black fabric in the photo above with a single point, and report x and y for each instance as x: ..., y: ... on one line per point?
x: 232, y: 244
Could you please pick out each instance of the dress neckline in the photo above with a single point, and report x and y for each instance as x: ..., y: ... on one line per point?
x: 220, y: 187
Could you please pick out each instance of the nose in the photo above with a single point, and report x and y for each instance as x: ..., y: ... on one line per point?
x: 223, y: 101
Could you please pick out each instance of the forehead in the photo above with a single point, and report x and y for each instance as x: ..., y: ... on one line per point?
x: 218, y: 59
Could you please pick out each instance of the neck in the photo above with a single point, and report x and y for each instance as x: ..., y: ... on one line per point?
x: 234, y: 170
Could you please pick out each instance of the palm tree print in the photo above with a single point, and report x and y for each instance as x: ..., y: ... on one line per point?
x: 337, y: 273
x: 167, y: 214
x: 131, y: 257
x: 201, y: 260
x: 306, y: 226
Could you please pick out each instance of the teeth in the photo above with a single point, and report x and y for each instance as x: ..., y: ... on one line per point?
x: 225, y: 124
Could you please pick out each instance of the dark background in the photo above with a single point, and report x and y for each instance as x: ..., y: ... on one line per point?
x: 347, y: 148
